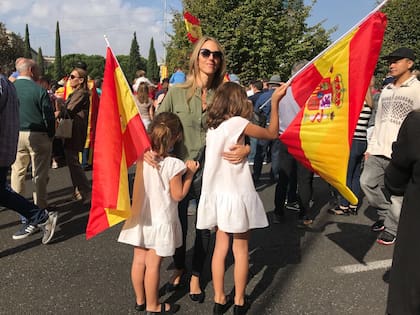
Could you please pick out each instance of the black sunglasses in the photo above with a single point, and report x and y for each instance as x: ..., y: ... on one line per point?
x: 206, y: 53
x: 73, y: 76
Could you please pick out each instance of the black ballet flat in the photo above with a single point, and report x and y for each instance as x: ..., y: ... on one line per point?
x: 198, y: 297
x: 173, y: 308
x: 219, y: 309
x: 170, y: 287
x: 140, y: 307
x: 241, y: 309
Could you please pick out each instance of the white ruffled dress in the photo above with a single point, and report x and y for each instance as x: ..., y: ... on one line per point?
x: 228, y: 197
x: 156, y: 225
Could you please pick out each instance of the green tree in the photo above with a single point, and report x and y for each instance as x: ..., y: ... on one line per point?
x: 40, y: 61
x: 152, y: 65
x: 58, y: 67
x: 27, y: 52
x: 95, y: 64
x: 401, y: 30
x: 11, y: 47
x: 260, y: 37
x: 135, y: 62
x: 124, y: 62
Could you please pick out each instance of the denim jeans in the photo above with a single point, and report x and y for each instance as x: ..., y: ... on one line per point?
x: 263, y: 149
x: 16, y: 202
x: 373, y: 185
x: 357, y: 151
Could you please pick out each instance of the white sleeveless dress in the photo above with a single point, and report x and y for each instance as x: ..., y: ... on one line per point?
x: 156, y: 225
x: 228, y: 197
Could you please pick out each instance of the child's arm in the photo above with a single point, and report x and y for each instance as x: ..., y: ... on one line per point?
x: 178, y: 188
x: 272, y: 132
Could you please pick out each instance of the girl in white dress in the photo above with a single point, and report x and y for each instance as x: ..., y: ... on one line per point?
x: 229, y: 200
x: 154, y: 228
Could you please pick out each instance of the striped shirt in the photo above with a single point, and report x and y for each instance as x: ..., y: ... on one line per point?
x: 362, y: 123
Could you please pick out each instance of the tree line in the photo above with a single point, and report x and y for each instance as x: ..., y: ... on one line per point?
x: 260, y: 37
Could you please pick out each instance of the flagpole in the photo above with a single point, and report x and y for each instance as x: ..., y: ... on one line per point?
x: 118, y: 63
x: 336, y: 41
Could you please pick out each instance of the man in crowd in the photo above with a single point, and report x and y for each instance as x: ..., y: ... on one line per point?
x: 36, y: 130
x: 397, y: 99
x: 9, y: 133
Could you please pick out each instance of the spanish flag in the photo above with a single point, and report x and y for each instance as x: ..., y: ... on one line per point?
x: 192, y: 24
x: 330, y: 92
x: 120, y: 140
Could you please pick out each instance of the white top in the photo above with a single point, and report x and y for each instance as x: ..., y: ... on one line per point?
x: 394, y: 105
x: 228, y: 196
x: 156, y: 225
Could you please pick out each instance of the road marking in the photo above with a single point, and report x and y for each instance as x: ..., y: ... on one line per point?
x: 380, y: 264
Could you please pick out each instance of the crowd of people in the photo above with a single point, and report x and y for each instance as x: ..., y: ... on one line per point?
x: 200, y: 111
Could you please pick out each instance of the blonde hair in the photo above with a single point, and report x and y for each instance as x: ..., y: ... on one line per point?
x: 163, y: 130
x: 230, y: 100
x: 194, y: 70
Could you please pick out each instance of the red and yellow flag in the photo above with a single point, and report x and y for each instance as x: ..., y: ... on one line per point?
x: 193, y: 27
x: 330, y: 92
x: 120, y: 140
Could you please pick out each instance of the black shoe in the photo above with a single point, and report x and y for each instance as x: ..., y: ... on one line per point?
x: 378, y: 226
x: 353, y: 210
x: 386, y: 238
x: 140, y: 307
x: 241, y: 309
x: 173, y: 308
x: 219, y: 309
x: 170, y: 287
x: 198, y: 297
x: 339, y: 210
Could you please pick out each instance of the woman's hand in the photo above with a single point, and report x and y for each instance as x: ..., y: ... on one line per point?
x: 237, y: 153
x: 151, y: 158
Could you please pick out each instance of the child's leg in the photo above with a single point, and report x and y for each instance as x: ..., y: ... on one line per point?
x: 218, y: 266
x: 151, y: 280
x: 137, y: 274
x: 240, y: 253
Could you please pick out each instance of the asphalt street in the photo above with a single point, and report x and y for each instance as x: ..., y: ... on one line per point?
x: 332, y: 267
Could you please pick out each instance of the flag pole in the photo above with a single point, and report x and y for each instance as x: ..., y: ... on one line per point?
x: 336, y: 41
x: 118, y: 63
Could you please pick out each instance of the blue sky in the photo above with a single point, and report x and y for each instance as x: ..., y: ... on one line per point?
x: 84, y: 22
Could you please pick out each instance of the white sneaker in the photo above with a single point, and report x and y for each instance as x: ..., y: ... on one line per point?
x: 49, y: 227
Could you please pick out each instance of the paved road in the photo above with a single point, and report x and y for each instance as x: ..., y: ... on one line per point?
x: 333, y: 267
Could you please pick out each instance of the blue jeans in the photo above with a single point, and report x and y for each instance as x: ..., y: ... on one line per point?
x: 261, y: 151
x: 12, y: 200
x: 357, y: 151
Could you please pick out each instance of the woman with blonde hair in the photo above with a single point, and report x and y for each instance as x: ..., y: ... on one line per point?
x: 190, y: 101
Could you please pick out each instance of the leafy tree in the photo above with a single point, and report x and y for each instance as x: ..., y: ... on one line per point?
x: 27, y: 52
x: 152, y: 65
x: 260, y: 37
x: 95, y: 64
x: 135, y: 62
x: 11, y: 47
x: 124, y: 62
x: 40, y: 61
x: 58, y: 67
x: 178, y: 48
x: 401, y: 30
